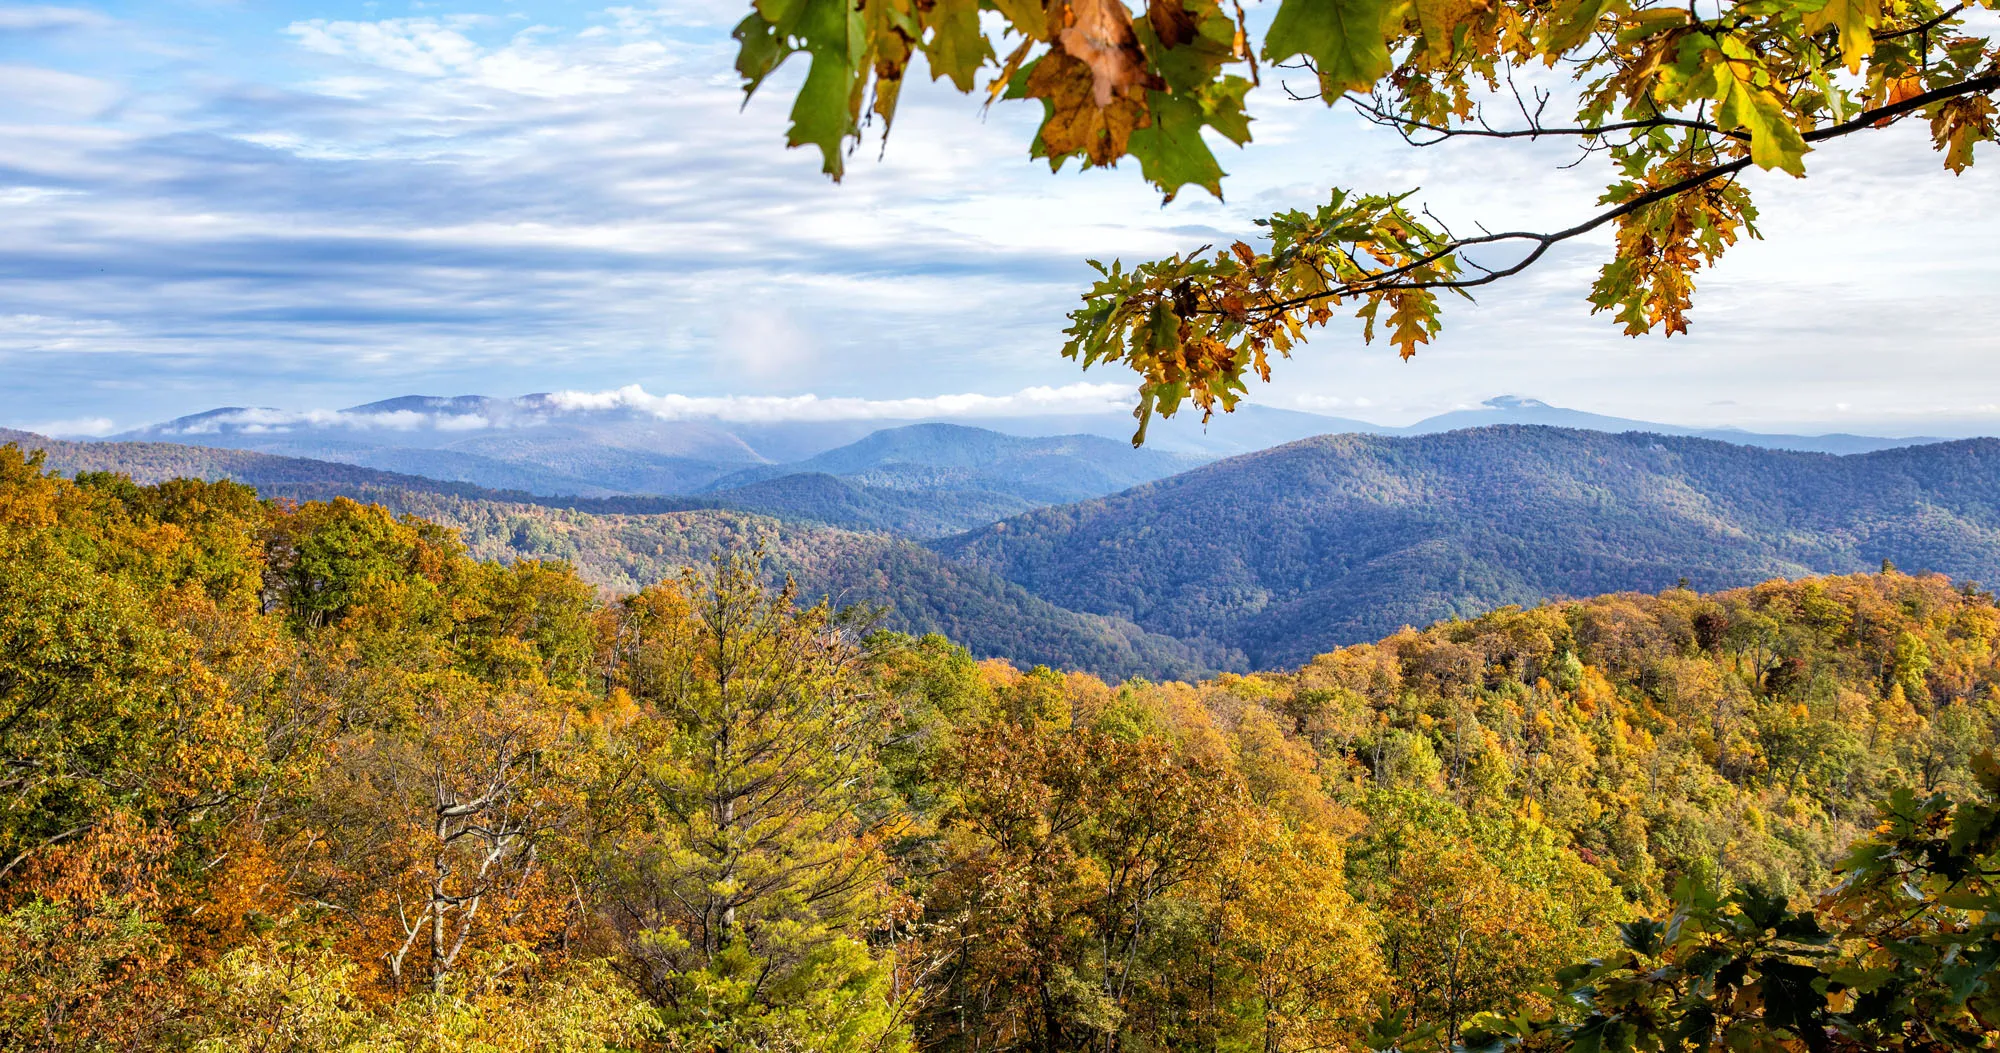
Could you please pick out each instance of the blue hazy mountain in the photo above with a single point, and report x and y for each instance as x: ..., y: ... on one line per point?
x: 1514, y: 409
x: 933, y: 458
x: 542, y: 445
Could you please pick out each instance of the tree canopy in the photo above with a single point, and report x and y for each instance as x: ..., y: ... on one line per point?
x: 308, y: 777
x: 1680, y: 99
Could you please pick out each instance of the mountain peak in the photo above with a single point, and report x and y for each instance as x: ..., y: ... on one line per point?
x: 451, y: 404
x: 1515, y: 402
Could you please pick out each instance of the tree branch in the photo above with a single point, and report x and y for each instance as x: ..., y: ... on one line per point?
x: 1377, y: 115
x: 1387, y: 280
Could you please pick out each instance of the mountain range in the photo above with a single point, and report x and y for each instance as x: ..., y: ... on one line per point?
x: 1077, y: 550
x: 559, y: 445
x: 1279, y: 555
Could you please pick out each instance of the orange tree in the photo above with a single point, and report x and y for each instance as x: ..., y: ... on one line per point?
x: 1682, y: 98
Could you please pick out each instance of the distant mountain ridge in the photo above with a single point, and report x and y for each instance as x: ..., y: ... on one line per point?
x: 804, y: 497
x: 1515, y: 409
x: 954, y: 457
x: 585, y: 446
x: 1282, y: 554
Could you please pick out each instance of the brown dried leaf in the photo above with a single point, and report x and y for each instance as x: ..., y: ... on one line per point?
x: 1172, y: 22
x: 1100, y: 36
x: 1076, y: 123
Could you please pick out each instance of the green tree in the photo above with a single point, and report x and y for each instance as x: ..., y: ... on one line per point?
x: 742, y: 860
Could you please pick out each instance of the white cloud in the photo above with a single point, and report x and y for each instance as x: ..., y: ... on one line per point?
x: 529, y: 63
x: 1029, y: 402
x: 538, y: 410
x: 424, y: 46
x: 65, y: 94
x: 264, y: 421
x: 73, y: 428
x: 44, y: 18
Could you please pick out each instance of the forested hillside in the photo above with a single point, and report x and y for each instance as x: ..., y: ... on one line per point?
x: 916, y: 590
x: 625, y: 544
x: 1282, y: 554
x: 313, y: 777
x: 153, y: 462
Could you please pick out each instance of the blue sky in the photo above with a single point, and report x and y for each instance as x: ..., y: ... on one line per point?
x: 311, y: 205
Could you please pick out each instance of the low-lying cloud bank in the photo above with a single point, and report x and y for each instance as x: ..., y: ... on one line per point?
x: 1027, y: 402
x: 473, y: 413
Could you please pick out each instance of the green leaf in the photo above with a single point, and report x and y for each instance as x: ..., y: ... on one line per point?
x: 1223, y: 108
x: 957, y: 48
x: 821, y: 115
x: 783, y: 15
x: 1171, y: 152
x: 1775, y: 141
x: 1969, y: 825
x: 1345, y: 38
x: 1572, y: 22
x: 824, y: 25
x: 761, y: 48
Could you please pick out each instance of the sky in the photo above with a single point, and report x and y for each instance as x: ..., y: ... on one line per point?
x: 310, y: 205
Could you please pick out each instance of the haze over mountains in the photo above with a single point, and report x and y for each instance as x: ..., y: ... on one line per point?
x: 1048, y: 539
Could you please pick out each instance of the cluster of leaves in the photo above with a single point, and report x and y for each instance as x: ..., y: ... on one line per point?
x: 1111, y: 85
x: 308, y: 777
x: 1680, y: 103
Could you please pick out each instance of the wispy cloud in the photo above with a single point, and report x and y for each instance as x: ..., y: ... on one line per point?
x: 335, y: 210
x: 48, y: 18
x: 449, y: 415
x: 73, y: 428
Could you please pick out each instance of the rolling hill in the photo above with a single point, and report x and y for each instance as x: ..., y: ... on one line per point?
x: 1283, y: 554
x: 810, y: 498
x: 1513, y: 409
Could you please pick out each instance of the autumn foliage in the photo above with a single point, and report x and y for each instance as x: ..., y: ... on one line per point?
x: 307, y: 777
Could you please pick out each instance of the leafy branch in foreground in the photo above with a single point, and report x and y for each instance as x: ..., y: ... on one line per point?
x: 1898, y: 955
x: 1680, y: 103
